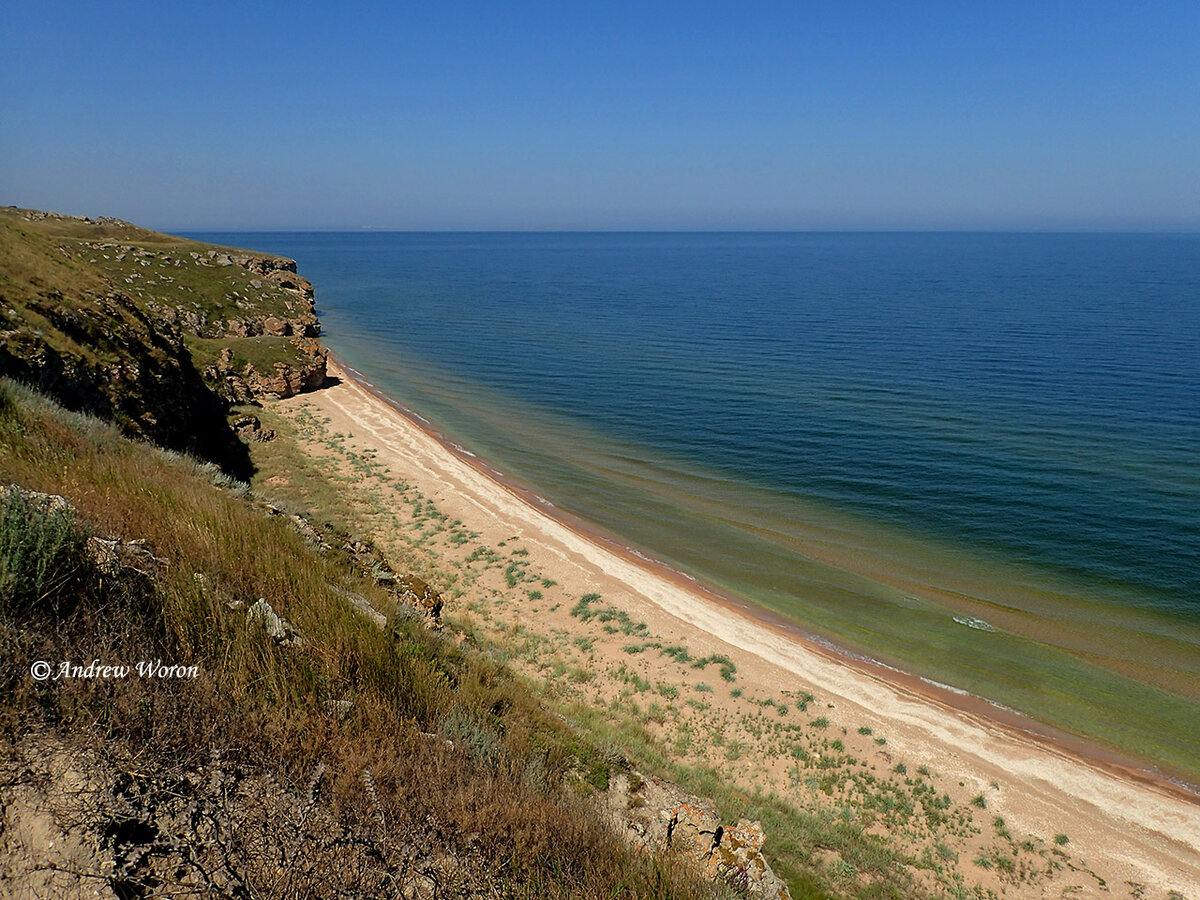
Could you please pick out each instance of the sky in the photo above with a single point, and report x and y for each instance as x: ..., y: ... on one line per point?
x: 643, y: 116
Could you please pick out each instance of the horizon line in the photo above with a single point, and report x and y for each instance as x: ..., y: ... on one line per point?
x: 371, y: 229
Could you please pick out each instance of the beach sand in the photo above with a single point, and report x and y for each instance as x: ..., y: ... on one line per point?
x: 1129, y: 831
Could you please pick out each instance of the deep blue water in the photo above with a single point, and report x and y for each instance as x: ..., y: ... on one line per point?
x: 1034, y: 397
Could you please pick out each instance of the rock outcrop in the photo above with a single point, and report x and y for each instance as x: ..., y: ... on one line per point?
x: 120, y: 322
x: 407, y: 590
x: 278, y: 629
x: 106, y: 357
x: 659, y: 817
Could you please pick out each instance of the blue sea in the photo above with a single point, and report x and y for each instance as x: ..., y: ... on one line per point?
x: 973, y: 456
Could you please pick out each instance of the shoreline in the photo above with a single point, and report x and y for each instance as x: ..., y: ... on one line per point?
x: 1136, y: 824
x: 951, y: 698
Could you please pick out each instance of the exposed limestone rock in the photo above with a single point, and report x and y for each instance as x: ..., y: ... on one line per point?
x: 274, y: 326
x: 111, y: 556
x: 362, y: 605
x: 249, y: 428
x: 660, y: 817
x: 284, y: 380
x: 280, y: 630
x: 408, y: 591
x: 420, y: 595
x: 308, y: 532
x: 47, y: 503
x: 240, y: 328
x: 114, y: 556
x: 339, y: 709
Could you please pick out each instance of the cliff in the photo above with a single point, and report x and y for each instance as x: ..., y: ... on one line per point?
x: 158, y: 333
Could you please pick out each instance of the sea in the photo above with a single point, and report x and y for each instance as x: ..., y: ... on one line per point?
x: 971, y: 456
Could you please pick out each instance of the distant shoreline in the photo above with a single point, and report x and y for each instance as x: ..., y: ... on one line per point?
x: 943, y: 695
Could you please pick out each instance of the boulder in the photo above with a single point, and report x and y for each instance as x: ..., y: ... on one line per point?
x: 278, y: 629
x: 249, y: 428
x: 278, y: 327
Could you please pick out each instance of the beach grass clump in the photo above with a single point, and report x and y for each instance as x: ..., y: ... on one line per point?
x: 677, y: 653
x: 585, y: 611
x: 583, y: 608
x: 632, y: 678
x: 514, y: 574
x: 996, y: 858
x: 727, y: 667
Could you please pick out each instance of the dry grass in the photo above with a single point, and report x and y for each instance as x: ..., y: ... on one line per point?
x: 505, y: 802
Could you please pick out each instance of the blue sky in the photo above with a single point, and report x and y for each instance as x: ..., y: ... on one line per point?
x: 832, y: 115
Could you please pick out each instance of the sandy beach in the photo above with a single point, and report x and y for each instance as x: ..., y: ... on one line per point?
x: 1129, y: 831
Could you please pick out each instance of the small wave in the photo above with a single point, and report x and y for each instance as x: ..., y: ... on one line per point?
x: 952, y: 689
x: 972, y: 622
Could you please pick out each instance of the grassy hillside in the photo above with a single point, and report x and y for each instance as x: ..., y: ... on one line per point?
x: 361, y: 759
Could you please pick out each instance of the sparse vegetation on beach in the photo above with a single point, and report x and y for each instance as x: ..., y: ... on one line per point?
x: 827, y: 794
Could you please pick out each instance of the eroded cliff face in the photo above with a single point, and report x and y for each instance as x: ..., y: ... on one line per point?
x: 158, y: 333
x: 119, y: 364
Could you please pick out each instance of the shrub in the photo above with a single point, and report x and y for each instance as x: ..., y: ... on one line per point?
x: 43, y: 563
x: 473, y: 736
